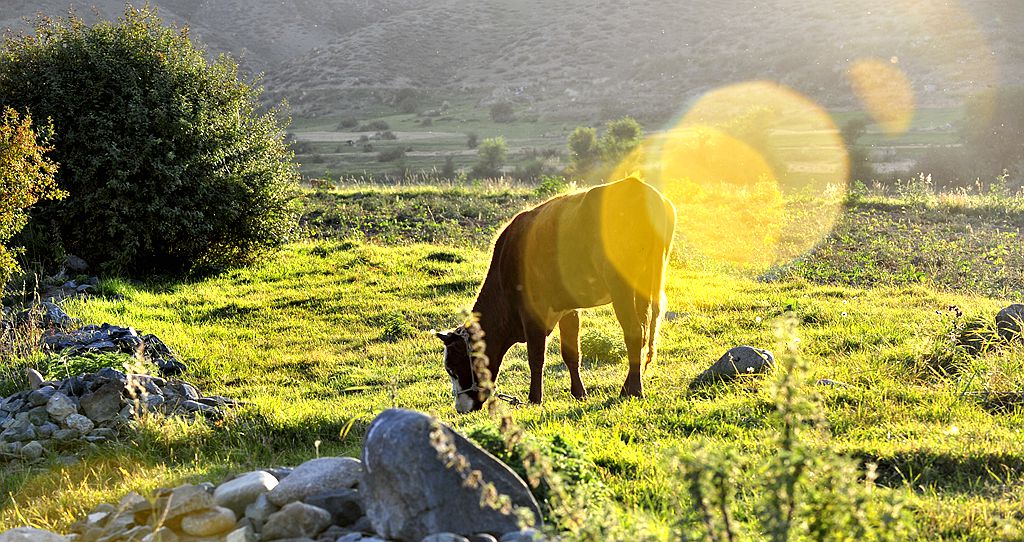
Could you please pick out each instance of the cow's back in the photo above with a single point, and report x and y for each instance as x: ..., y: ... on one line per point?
x: 570, y: 247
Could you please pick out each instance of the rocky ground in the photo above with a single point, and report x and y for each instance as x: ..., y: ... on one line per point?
x: 59, y: 416
x: 408, y: 487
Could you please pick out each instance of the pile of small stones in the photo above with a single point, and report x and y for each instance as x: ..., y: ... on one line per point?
x: 329, y: 499
x: 65, y: 335
x: 92, y: 408
x: 106, y: 338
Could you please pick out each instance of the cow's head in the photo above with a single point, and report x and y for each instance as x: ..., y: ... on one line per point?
x: 459, y: 366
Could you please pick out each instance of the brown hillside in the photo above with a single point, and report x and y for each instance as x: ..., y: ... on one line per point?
x: 578, y: 58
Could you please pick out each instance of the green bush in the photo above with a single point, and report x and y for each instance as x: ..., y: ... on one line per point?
x: 503, y: 112
x: 26, y: 176
x: 169, y: 165
x: 492, y: 154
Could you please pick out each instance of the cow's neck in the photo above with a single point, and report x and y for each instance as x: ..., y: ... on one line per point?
x: 499, y: 323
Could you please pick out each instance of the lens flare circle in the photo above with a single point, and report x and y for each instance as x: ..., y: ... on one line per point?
x: 886, y: 93
x: 756, y: 171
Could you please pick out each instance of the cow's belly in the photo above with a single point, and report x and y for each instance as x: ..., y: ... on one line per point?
x: 584, y: 293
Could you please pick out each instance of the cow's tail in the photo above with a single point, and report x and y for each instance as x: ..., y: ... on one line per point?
x: 657, y: 290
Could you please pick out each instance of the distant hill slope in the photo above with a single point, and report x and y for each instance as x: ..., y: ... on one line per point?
x: 577, y: 58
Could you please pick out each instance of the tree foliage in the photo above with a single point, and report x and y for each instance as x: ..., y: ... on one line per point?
x: 503, y: 112
x: 491, y: 155
x: 584, y: 153
x: 26, y: 176
x: 994, y: 131
x: 620, y: 137
x: 169, y: 163
x: 594, y: 158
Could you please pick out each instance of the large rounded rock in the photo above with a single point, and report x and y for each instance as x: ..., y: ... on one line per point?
x: 317, y: 476
x: 345, y: 505
x: 28, y: 534
x: 737, y: 362
x: 181, y: 500
x: 242, y: 491
x: 296, y: 520
x: 409, y: 492
x: 1009, y: 321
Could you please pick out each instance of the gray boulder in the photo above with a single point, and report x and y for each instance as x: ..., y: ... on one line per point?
x: 317, y: 476
x: 445, y: 537
x: 409, y: 492
x: 60, y: 406
x: 296, y: 520
x: 180, y: 501
x: 104, y: 403
x: 40, y: 396
x: 243, y: 490
x: 28, y: 534
x: 1009, y: 320
x: 524, y: 535
x: 737, y: 362
x: 345, y: 505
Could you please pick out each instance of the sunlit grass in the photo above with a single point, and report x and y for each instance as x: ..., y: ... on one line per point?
x: 333, y: 331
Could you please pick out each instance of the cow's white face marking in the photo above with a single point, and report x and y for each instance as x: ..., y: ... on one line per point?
x: 463, y: 404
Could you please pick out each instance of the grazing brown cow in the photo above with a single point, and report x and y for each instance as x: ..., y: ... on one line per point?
x: 609, y: 244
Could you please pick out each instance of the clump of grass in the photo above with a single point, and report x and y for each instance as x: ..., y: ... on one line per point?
x: 599, y: 346
x: 394, y: 326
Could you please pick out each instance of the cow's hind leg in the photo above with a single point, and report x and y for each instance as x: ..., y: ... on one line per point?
x: 624, y: 301
x: 569, y: 336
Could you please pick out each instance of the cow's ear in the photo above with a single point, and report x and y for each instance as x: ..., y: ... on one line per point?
x: 446, y: 336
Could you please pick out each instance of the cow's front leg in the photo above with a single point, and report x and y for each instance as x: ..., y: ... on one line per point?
x: 536, y: 343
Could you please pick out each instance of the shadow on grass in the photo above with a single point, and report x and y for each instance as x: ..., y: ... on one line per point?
x: 946, y: 472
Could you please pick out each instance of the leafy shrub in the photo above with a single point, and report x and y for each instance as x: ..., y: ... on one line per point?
x: 348, y: 122
x: 620, y: 137
x: 26, y: 176
x: 169, y: 166
x: 491, y: 157
x: 392, y: 154
x: 551, y: 185
x: 448, y: 170
x: 472, y: 140
x: 567, y: 461
x: 373, y: 126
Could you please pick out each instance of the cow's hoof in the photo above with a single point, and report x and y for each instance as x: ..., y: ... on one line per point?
x: 632, y: 392
x: 579, y: 395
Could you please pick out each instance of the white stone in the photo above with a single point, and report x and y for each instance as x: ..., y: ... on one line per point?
x: 35, y: 378
x: 216, y: 520
x: 79, y: 423
x: 60, y: 406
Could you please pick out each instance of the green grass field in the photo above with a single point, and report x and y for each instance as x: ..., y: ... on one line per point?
x: 324, y: 335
